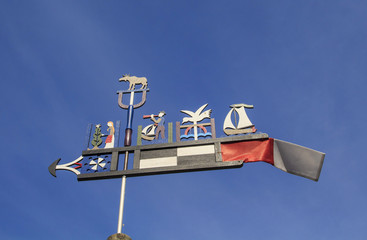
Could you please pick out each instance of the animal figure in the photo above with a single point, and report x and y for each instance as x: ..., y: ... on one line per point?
x: 133, y: 80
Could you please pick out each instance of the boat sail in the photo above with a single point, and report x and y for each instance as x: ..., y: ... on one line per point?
x: 148, y: 133
x: 243, y: 125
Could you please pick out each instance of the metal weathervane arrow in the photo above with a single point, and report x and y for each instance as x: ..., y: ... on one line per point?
x: 196, y: 147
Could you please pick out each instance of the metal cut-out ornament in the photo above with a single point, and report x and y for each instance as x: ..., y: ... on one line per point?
x: 133, y: 80
x: 113, y: 132
x: 72, y: 166
x: 199, y: 130
x: 97, y: 163
x: 153, y: 131
x: 97, y: 137
x: 242, y: 123
x: 110, y: 139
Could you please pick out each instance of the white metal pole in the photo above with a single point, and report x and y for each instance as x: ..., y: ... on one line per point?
x: 123, y: 183
x: 132, y: 98
x: 122, y: 200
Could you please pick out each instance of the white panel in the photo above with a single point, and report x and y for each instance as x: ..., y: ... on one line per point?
x: 158, y: 162
x: 198, y: 150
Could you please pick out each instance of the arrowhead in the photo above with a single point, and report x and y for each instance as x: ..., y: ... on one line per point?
x: 52, y: 167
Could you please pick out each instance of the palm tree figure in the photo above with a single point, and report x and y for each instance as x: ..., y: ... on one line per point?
x: 196, y: 117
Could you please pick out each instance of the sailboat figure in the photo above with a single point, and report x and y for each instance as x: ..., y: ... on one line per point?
x: 243, y: 125
x: 148, y: 133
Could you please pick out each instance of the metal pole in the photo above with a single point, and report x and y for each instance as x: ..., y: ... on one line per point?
x: 128, y: 133
x: 122, y: 200
x: 122, y: 197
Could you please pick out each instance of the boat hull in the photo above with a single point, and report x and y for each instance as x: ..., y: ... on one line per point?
x: 148, y: 138
x: 252, y: 129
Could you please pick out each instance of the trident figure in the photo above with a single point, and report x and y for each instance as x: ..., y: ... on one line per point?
x: 131, y: 106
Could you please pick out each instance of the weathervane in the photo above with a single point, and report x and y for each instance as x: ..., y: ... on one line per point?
x: 196, y: 148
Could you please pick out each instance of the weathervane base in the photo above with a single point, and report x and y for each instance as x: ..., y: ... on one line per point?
x: 119, y: 236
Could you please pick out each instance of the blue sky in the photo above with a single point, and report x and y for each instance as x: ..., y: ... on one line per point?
x: 302, y: 64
